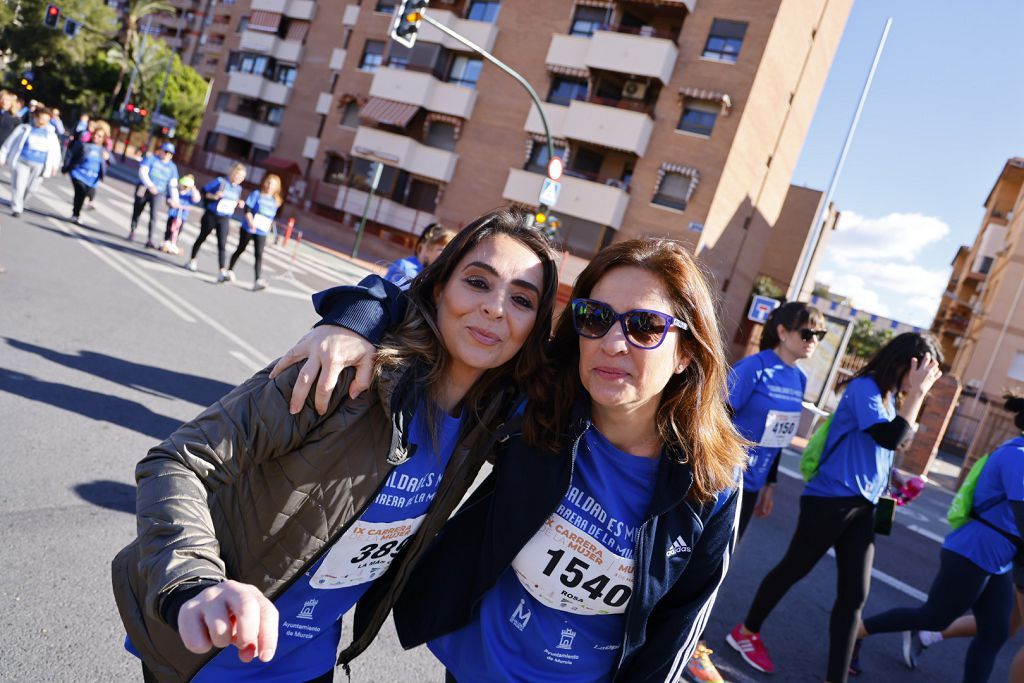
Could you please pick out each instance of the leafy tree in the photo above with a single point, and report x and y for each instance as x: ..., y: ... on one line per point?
x: 131, y: 40
x: 866, y: 339
x: 185, y: 95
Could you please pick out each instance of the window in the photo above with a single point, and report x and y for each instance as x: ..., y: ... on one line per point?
x: 698, y: 118
x: 350, y: 114
x: 564, y: 90
x: 243, y: 23
x: 538, y: 161
x: 725, y: 40
x: 422, y: 196
x: 223, y: 101
x: 1016, y: 370
x: 259, y: 154
x: 334, y: 169
x: 586, y: 20
x: 986, y: 264
x: 274, y: 115
x: 484, y: 10
x: 586, y: 163
x: 465, y: 71
x: 674, y: 191
x: 210, y: 143
x: 441, y: 134
x: 581, y: 237
x: 285, y: 74
x: 373, y: 55
x: 385, y: 6
x: 250, y: 64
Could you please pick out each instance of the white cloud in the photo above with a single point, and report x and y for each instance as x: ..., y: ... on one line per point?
x: 856, y: 290
x: 896, y: 236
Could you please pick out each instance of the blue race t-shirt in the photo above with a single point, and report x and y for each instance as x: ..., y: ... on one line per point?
x: 557, y: 614
x: 228, y: 202
x: 161, y: 173
x: 263, y: 208
x: 185, y: 202
x: 36, y: 146
x: 89, y: 168
x: 1001, y: 481
x: 403, y: 271
x: 310, y: 610
x: 853, y: 464
x: 766, y: 396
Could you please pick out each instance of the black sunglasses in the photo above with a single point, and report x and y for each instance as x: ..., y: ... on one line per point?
x: 808, y: 334
x: 643, y: 328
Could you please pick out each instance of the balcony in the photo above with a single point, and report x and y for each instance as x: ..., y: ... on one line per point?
x: 586, y: 199
x: 405, y: 153
x: 295, y: 9
x: 258, y: 87
x: 260, y: 134
x: 382, y: 210
x: 634, y: 54
x: 480, y: 32
x: 269, y: 44
x: 599, y: 124
x: 220, y: 164
x: 424, y: 90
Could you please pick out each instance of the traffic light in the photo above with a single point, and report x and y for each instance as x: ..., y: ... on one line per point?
x: 407, y: 21
x: 71, y: 28
x: 52, y: 16
x: 26, y: 84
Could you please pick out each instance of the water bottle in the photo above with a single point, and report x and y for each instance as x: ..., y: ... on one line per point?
x: 910, y: 490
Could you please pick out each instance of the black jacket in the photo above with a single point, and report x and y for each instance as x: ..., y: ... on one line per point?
x: 76, y: 155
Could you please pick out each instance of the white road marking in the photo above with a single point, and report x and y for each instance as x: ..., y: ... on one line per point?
x: 938, y: 538
x: 246, y: 361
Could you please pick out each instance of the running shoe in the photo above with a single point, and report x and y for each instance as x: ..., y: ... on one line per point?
x: 751, y: 649
x: 192, y: 265
x: 913, y: 646
x: 131, y: 235
x: 223, y: 276
x: 150, y: 245
x: 258, y: 285
x: 231, y: 276
x: 855, y: 668
x: 700, y: 668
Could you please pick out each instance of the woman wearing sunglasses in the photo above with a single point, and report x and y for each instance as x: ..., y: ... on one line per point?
x: 595, y: 548
x: 766, y: 395
x: 259, y: 529
x: 837, y: 508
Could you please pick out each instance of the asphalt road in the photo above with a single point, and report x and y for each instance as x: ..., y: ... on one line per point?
x: 105, y: 348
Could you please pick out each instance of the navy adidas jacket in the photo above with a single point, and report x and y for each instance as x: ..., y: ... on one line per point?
x: 674, y: 589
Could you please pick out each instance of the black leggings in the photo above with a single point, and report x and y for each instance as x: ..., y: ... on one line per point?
x: 848, y: 525
x: 144, y: 198
x: 747, y: 503
x: 207, y: 224
x: 243, y: 241
x: 82, y: 191
x: 959, y: 586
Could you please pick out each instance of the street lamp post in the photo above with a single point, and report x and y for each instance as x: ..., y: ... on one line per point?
x: 378, y: 169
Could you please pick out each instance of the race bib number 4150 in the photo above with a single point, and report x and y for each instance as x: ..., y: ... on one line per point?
x: 779, y: 429
x: 569, y: 570
x: 364, y: 552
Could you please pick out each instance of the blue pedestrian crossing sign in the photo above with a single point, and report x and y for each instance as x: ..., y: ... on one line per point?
x: 549, y: 192
x: 761, y: 307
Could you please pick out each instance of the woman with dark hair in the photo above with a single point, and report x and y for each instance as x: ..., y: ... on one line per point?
x: 837, y: 508
x: 976, y: 563
x: 595, y: 549
x: 766, y: 397
x: 434, y: 238
x: 248, y: 511
x: 87, y: 165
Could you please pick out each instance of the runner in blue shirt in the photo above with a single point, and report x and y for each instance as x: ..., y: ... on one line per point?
x: 261, y: 209
x: 837, y: 508
x: 222, y: 197
x: 766, y: 396
x: 32, y: 152
x: 431, y: 242
x: 87, y: 166
x: 177, y: 214
x: 158, y: 177
x: 975, y: 564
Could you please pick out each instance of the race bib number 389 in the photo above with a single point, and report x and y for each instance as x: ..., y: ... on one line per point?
x: 364, y: 552
x: 569, y: 570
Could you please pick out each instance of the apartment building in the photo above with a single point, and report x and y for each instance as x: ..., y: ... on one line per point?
x: 980, y: 322
x: 682, y: 118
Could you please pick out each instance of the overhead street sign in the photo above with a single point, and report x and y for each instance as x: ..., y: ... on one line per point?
x: 549, y: 192
x: 164, y: 120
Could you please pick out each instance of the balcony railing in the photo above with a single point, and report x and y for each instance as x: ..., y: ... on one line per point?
x: 383, y: 211
x: 624, y: 103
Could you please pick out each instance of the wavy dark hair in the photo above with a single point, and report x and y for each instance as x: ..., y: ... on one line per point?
x: 891, y: 363
x: 692, y: 419
x: 418, y: 340
x: 792, y: 315
x: 1015, y: 404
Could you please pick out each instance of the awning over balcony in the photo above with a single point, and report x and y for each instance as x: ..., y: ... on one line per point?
x: 388, y: 112
x: 261, y: 20
x: 571, y: 71
x: 708, y: 95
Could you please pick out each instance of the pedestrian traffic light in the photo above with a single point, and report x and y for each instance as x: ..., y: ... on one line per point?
x: 71, y: 28
x: 51, y: 16
x: 407, y: 21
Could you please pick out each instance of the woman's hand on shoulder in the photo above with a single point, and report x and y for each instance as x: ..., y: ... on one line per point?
x: 230, y: 613
x: 327, y: 350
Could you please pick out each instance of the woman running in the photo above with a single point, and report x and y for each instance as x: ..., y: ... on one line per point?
x: 32, y: 152
x: 223, y: 196
x: 976, y: 562
x: 595, y: 549
x: 837, y: 508
x: 87, y: 166
x: 261, y: 209
x: 259, y: 529
x: 766, y: 397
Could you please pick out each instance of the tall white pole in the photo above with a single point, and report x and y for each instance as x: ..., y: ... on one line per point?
x: 807, y: 256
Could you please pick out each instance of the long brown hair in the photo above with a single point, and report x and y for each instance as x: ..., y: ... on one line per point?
x: 692, y: 419
x: 266, y: 181
x: 418, y: 338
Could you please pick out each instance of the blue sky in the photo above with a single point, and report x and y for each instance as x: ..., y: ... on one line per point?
x: 945, y: 112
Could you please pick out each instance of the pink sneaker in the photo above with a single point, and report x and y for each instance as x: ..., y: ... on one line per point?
x: 751, y: 649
